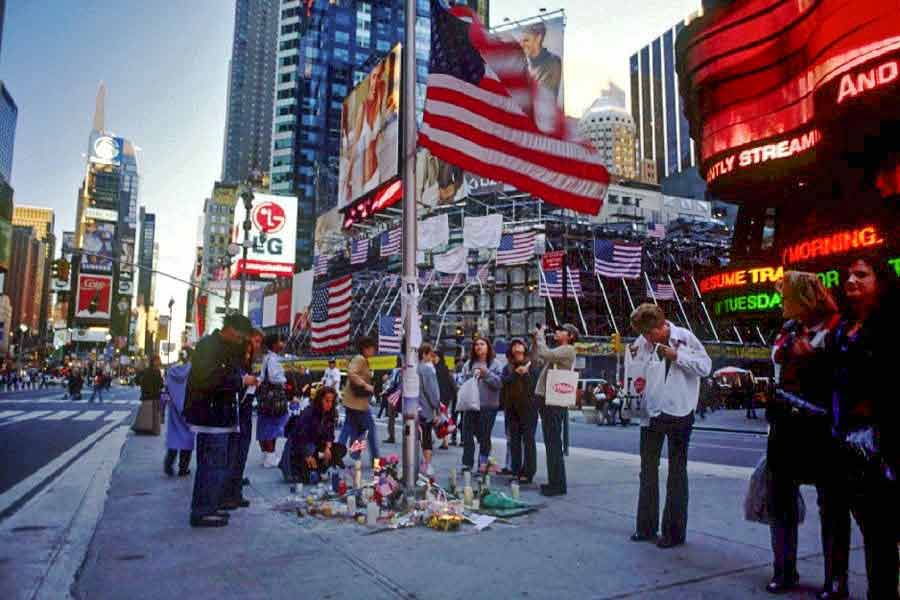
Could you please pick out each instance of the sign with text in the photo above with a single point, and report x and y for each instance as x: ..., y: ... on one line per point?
x: 273, y: 236
x: 94, y: 297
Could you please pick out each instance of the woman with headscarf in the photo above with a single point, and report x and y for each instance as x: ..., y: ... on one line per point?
x: 799, y: 438
x: 179, y: 437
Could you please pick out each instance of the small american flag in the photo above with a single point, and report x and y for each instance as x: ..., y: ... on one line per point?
x: 426, y: 276
x: 359, y: 252
x: 390, y: 242
x: 330, y: 315
x: 320, y: 265
x: 617, y: 259
x: 477, y: 274
x: 516, y: 248
x: 656, y: 230
x: 394, y: 397
x: 389, y: 334
x: 661, y: 291
x: 447, y: 279
x: 551, y: 285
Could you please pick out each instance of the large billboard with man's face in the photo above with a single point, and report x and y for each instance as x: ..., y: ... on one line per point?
x: 542, y: 43
x: 370, y: 132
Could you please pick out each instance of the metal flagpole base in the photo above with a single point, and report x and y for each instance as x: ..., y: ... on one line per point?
x: 410, y: 445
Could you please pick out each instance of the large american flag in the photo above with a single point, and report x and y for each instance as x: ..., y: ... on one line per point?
x: 389, y: 334
x: 661, y: 291
x: 516, y: 248
x: 320, y: 265
x: 551, y: 284
x: 617, y: 259
x: 485, y: 114
x: 330, y: 318
x: 359, y: 252
x: 390, y: 242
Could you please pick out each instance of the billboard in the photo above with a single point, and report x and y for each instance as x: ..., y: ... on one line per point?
x: 94, y: 297
x: 329, y: 233
x: 68, y: 245
x: 301, y: 298
x: 438, y: 183
x: 254, y: 306
x: 542, y: 43
x: 106, y: 149
x: 370, y: 132
x: 99, y: 238
x: 270, y: 255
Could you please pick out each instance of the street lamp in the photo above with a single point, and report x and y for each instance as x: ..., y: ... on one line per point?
x: 247, y: 197
x: 23, y: 329
x: 169, y: 333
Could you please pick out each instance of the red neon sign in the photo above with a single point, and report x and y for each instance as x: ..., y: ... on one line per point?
x: 867, y: 80
x: 785, y: 148
x: 741, y: 278
x: 836, y: 243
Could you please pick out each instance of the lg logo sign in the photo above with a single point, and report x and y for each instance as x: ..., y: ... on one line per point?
x: 268, y: 217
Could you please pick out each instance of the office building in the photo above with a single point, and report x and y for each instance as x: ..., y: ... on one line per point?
x: 218, y: 219
x: 251, y: 86
x: 325, y: 48
x: 42, y: 221
x: 9, y: 115
x: 25, y: 280
x: 146, y: 258
x: 611, y: 129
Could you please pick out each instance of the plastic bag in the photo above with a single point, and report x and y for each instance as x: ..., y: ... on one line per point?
x: 468, y: 399
x: 758, y: 502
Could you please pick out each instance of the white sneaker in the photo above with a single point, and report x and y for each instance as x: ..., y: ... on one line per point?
x: 269, y: 462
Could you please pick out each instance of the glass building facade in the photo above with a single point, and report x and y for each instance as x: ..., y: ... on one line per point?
x: 9, y: 114
x: 325, y: 48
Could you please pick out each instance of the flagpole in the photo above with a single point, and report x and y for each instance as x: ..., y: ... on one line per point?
x: 678, y: 299
x: 549, y: 298
x: 628, y: 293
x: 606, y: 301
x: 738, y: 334
x: 410, y: 279
x: 650, y: 288
x: 369, y: 305
x: 705, y: 311
x: 578, y: 304
x: 761, y: 336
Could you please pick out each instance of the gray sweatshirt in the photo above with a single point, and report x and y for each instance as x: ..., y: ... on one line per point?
x: 489, y: 385
x: 429, y: 392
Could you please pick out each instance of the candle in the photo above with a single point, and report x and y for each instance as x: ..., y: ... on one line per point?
x: 372, y: 514
x: 351, y: 504
x: 514, y: 486
x: 467, y: 495
x: 357, y: 474
x: 453, y: 479
x: 476, y: 504
x: 467, y: 478
x: 487, y: 480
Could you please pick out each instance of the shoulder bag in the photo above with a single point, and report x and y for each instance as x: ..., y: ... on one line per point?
x: 562, y: 388
x: 271, y: 397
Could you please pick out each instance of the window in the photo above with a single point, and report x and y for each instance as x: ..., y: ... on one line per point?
x: 626, y: 201
x: 613, y: 199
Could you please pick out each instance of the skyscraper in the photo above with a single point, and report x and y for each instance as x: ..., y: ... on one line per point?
x: 9, y: 114
x: 325, y: 48
x: 611, y: 129
x: 146, y: 258
x: 251, y: 86
x: 41, y: 221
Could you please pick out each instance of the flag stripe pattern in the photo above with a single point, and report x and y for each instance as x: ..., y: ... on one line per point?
x: 657, y: 230
x: 483, y: 113
x: 320, y: 266
x: 661, y: 291
x: 390, y: 242
x: 359, y: 252
x: 516, y: 248
x: 478, y: 274
x: 389, y: 334
x: 551, y: 284
x: 616, y: 259
x: 330, y: 318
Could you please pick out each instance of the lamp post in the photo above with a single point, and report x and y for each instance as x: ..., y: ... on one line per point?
x: 169, y: 332
x: 247, y: 197
x: 23, y: 330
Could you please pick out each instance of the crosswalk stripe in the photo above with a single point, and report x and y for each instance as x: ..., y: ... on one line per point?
x: 88, y: 415
x: 29, y: 416
x: 10, y: 413
x: 60, y: 415
x: 115, y: 415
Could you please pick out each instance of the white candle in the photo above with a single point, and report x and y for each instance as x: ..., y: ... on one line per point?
x: 467, y: 478
x: 515, y: 490
x: 357, y: 474
x: 351, y: 504
x: 467, y: 495
x: 372, y: 514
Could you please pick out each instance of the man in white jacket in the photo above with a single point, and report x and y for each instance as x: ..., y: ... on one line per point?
x: 665, y: 365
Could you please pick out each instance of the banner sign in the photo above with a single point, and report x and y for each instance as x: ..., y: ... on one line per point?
x: 101, y: 214
x: 98, y: 243
x: 94, y: 297
x: 273, y: 237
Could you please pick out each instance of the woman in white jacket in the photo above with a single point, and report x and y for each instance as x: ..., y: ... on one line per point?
x: 270, y: 428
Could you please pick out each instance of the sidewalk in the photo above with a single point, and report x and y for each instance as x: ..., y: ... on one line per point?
x: 733, y: 420
x: 575, y: 547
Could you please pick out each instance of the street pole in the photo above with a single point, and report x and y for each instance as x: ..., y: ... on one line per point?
x: 247, y: 197
x: 410, y: 280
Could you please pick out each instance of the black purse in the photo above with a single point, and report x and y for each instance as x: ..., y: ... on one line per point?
x: 271, y: 398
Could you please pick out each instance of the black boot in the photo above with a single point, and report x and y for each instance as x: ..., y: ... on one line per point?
x: 836, y: 589
x: 169, y: 462
x: 184, y: 463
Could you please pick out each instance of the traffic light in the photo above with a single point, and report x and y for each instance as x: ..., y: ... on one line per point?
x: 617, y: 343
x: 54, y: 269
x: 62, y: 269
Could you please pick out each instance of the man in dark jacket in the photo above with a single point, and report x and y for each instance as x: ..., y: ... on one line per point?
x: 517, y: 399
x: 211, y: 409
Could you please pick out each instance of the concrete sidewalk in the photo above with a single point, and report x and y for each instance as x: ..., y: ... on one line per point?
x: 733, y: 420
x: 575, y: 547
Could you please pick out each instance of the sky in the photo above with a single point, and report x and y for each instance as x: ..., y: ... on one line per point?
x: 165, y: 65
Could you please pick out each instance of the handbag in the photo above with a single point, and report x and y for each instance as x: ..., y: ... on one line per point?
x: 562, y: 388
x: 758, y: 501
x: 468, y: 398
x: 272, y: 398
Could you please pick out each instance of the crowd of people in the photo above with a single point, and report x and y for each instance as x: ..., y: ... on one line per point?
x: 830, y: 425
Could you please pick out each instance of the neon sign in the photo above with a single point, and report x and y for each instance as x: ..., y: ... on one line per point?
x: 785, y: 148
x: 749, y: 303
x: 741, y: 278
x: 837, y: 243
x: 852, y: 85
x: 895, y: 262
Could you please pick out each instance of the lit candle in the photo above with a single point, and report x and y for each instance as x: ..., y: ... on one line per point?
x: 467, y: 495
x: 514, y: 486
x: 351, y: 504
x: 357, y: 474
x: 372, y: 514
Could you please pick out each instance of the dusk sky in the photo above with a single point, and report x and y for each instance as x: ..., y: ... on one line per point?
x: 165, y: 67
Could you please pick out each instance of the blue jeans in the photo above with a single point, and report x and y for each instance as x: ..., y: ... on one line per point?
x: 477, y: 425
x: 98, y: 392
x: 238, y: 449
x: 212, y: 473
x: 356, y: 423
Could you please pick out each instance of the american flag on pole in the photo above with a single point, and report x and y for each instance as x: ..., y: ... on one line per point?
x: 389, y: 334
x: 477, y: 274
x: 447, y: 279
x: 661, y: 291
x: 390, y: 242
x: 426, y: 276
x: 330, y: 318
x: 516, y: 248
x: 551, y: 284
x: 359, y: 252
x: 617, y: 259
x: 656, y: 230
x: 320, y: 265
x: 485, y: 114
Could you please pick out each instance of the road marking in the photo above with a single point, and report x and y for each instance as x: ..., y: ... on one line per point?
x: 10, y: 413
x: 88, y: 415
x: 29, y: 416
x: 60, y: 415
x: 116, y: 415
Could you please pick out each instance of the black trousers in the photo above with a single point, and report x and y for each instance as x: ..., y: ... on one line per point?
x: 678, y: 432
x: 552, y: 429
x: 238, y: 449
x: 184, y: 459
x: 523, y: 450
x: 873, y: 503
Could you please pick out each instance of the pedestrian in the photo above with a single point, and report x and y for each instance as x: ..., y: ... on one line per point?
x: 332, y: 376
x: 799, y: 444
x: 520, y: 408
x: 270, y: 427
x: 447, y: 386
x: 865, y: 417
x: 483, y: 367
x: 429, y: 404
x: 358, y: 421
x: 381, y: 393
x: 671, y: 361
x: 560, y: 357
x: 310, y: 449
x: 179, y: 437
x: 212, y: 411
x: 240, y: 440
x: 148, y: 417
x: 392, y: 398
x: 749, y: 391
x: 98, y: 388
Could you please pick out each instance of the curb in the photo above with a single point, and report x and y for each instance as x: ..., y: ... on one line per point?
x: 729, y: 430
